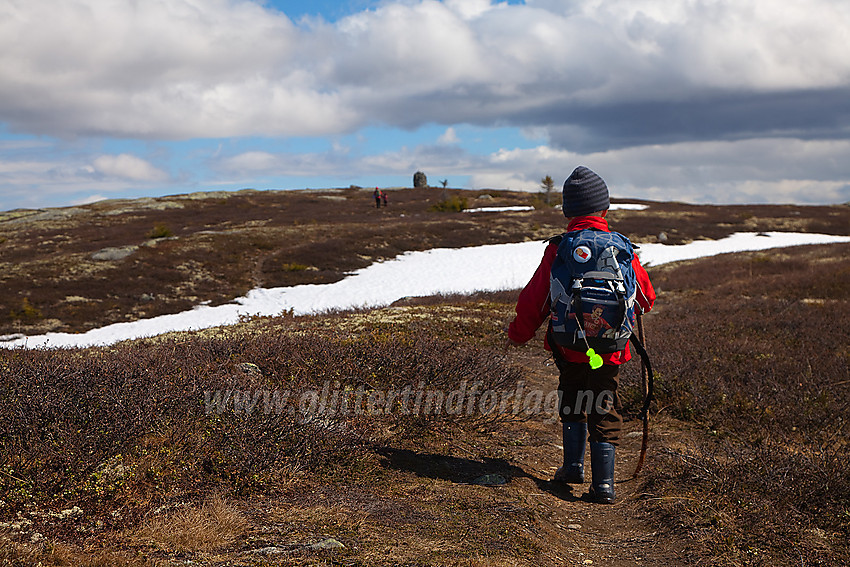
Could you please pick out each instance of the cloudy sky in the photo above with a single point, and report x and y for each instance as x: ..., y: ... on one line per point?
x: 721, y: 101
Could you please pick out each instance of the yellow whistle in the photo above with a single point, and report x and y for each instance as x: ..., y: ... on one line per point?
x: 595, y: 359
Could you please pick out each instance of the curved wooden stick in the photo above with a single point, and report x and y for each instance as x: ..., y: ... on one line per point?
x: 645, y: 382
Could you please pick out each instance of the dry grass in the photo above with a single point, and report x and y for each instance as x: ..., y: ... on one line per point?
x: 199, y: 528
x: 57, y: 554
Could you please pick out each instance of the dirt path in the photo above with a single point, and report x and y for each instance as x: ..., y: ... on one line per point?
x: 582, y: 533
x: 420, y: 506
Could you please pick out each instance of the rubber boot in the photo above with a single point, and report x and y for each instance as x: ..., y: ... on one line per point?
x: 602, y: 472
x: 575, y: 439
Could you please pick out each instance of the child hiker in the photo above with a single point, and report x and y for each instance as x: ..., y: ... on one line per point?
x: 589, y: 402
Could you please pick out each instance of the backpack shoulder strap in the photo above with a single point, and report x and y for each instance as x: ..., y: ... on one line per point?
x: 556, y: 240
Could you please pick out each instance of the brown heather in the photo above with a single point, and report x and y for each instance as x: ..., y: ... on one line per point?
x: 753, y: 353
x: 72, y: 416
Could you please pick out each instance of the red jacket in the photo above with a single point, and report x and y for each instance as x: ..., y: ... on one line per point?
x: 532, y: 308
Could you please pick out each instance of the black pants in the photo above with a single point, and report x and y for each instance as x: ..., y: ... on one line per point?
x: 590, y: 396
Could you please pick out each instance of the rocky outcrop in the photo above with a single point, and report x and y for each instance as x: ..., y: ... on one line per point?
x: 420, y: 180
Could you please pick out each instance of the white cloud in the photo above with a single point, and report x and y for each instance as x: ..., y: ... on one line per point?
x: 468, y: 9
x: 251, y: 162
x: 448, y: 137
x: 126, y: 166
x: 330, y: 163
x: 183, y: 69
x: 26, y: 183
x: 762, y: 170
x: 88, y: 199
x: 19, y: 145
x: 702, y: 100
x: 745, y: 171
x: 505, y: 180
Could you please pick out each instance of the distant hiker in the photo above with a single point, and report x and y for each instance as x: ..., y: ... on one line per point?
x: 384, y: 197
x: 589, y: 285
x: 377, y: 195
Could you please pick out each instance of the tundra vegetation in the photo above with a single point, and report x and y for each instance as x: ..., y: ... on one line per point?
x: 214, y: 446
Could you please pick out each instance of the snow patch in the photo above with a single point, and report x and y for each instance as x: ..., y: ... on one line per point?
x: 498, y: 209
x: 412, y: 274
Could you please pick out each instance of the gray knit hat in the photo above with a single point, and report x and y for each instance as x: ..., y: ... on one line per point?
x: 584, y: 193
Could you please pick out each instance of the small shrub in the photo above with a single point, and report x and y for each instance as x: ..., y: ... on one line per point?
x: 160, y: 231
x: 453, y: 204
x: 28, y: 312
x: 262, y: 243
x: 540, y: 202
x: 294, y: 267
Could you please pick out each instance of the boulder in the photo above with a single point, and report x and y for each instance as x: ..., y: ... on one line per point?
x: 420, y: 180
x: 113, y: 254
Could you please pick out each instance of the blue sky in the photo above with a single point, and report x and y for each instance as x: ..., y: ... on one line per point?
x: 706, y: 101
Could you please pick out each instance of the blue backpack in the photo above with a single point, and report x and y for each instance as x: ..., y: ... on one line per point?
x: 592, y: 291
